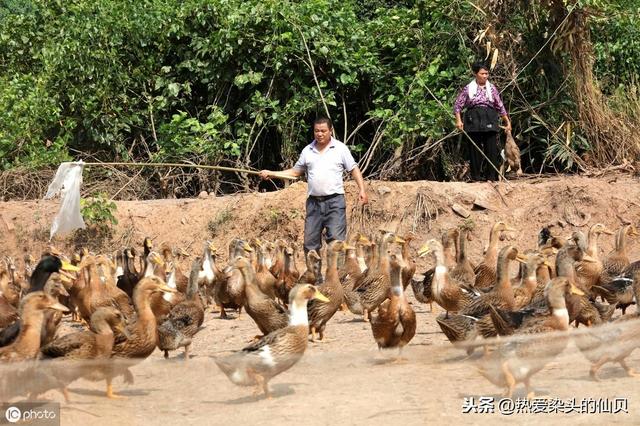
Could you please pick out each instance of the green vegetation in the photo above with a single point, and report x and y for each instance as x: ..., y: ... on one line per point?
x: 238, y: 82
x: 99, y: 213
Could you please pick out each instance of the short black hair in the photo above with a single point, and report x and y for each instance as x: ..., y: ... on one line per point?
x: 480, y: 65
x: 323, y: 120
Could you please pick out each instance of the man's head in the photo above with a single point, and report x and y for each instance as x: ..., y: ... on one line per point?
x: 322, y: 129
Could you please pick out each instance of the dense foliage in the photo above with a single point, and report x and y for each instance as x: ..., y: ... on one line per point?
x: 238, y: 82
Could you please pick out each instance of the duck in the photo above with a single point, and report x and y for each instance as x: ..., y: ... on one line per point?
x: 620, y: 290
x: 548, y: 245
x: 277, y: 268
x: 229, y: 290
x: 312, y: 274
x: 10, y: 286
x: 395, y: 324
x: 32, y: 314
x: 517, y: 360
x: 96, y: 288
x: 352, y: 271
x: 93, y: 346
x: 421, y: 286
x: 581, y: 309
x: 47, y: 265
x: 320, y: 312
x: 410, y: 266
x: 120, y: 299
x: 511, y: 156
x: 56, y: 289
x: 185, y: 319
x: 614, y: 286
x: 265, y: 279
x: 130, y: 276
x: 486, y: 271
x: 373, y: 288
x: 154, y: 265
x: 163, y: 303
x: 446, y: 291
x: 147, y: 248
x: 289, y: 275
x: 29, y: 261
x: 421, y: 283
x: 524, y: 293
x: 167, y: 253
x: 363, y: 244
x: 267, y: 313
x: 52, y: 318
x: 8, y: 311
x: 618, y: 259
x: 142, y: 331
x: 463, y: 271
x: 612, y: 342
x: 210, y: 273
x: 522, y: 296
x: 477, y: 312
x: 449, y: 246
x: 588, y: 273
x: 276, y: 352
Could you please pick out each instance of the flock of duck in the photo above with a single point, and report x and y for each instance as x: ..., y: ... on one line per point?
x: 130, y: 304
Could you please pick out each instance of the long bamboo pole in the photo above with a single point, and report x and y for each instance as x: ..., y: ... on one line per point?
x: 197, y: 166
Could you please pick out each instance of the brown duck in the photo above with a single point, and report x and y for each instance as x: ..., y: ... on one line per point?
x: 229, y: 290
x: 373, y: 288
x: 476, y: 313
x: 289, y: 275
x: 32, y: 313
x: 612, y: 343
x: 614, y: 285
x: 320, y: 312
x: 486, y: 270
x: 312, y: 275
x: 276, y: 352
x: 142, y: 333
x: 184, y: 320
x: 409, y: 268
x: 588, y: 273
x: 268, y: 314
x: 395, y: 324
x: 463, y: 271
x: 445, y: 290
x: 517, y: 361
x: 93, y: 347
x: 352, y: 271
x: 265, y: 279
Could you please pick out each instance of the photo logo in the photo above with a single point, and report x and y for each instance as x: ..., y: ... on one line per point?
x: 13, y: 414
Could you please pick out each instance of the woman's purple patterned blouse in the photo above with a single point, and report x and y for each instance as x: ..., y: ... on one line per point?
x: 480, y: 99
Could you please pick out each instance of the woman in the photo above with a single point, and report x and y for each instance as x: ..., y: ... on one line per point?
x: 483, y: 106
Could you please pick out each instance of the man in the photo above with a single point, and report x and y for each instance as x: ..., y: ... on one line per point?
x: 324, y: 160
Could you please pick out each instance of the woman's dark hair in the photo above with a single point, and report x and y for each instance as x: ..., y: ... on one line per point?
x: 480, y: 65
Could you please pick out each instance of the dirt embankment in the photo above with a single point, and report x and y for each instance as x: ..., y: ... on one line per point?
x: 566, y: 203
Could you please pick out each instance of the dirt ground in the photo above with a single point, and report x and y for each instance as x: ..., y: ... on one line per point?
x: 345, y: 379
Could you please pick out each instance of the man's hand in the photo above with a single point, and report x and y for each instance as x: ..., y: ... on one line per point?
x: 507, y: 128
x: 363, y: 197
x: 459, y: 124
x: 264, y: 174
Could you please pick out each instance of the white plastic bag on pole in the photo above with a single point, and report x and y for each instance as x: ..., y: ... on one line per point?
x: 67, y: 182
